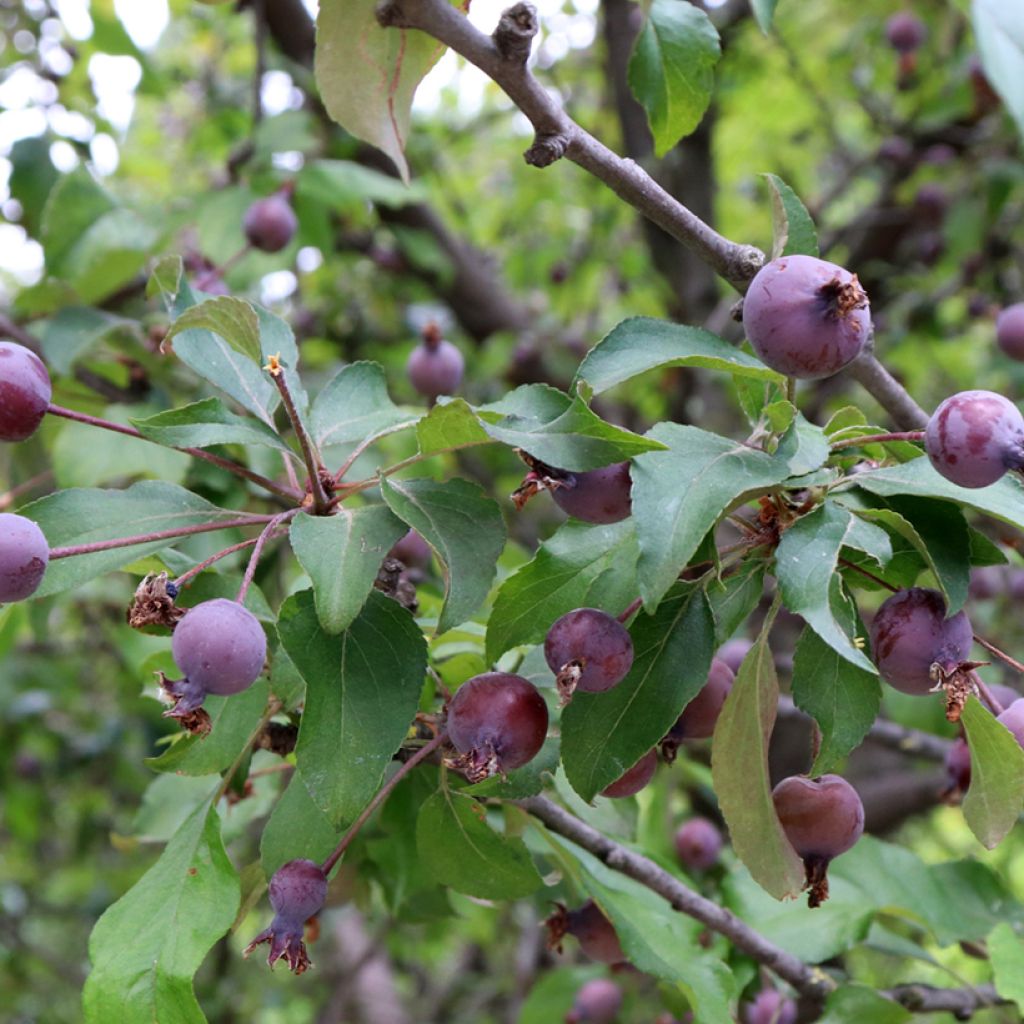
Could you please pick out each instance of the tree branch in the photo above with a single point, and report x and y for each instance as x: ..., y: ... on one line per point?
x: 961, y: 1002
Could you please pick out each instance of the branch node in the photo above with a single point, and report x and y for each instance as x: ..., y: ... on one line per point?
x: 546, y: 149
x: 514, y: 35
x: 744, y: 262
x: 390, y: 15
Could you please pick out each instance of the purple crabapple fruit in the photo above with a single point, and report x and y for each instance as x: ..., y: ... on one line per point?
x: 700, y: 716
x: 270, y: 223
x: 24, y: 555
x: 987, y: 582
x: 598, y: 1001
x: 297, y: 893
x: 974, y: 437
x: 698, y: 844
x: 732, y: 652
x: 896, y: 150
x: 806, y: 317
x: 588, y: 650
x: 25, y: 392
x: 588, y: 925
x: 497, y: 721
x: 634, y: 779
x: 413, y: 551
x: 822, y: 818
x: 435, y: 367
x: 910, y: 633
x: 905, y: 32
x: 769, y: 1007
x: 1010, y: 330
x: 958, y: 765
x: 597, y: 495
x: 931, y: 201
x: 1013, y: 718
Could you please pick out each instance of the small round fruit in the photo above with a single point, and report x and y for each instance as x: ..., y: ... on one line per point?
x: 24, y: 555
x: 905, y: 32
x: 958, y: 765
x: 595, y: 933
x: 698, y: 844
x: 435, y: 367
x: 806, y: 317
x: 632, y: 781
x: 220, y: 646
x: 598, y: 1001
x: 297, y: 892
x: 25, y: 392
x: 270, y: 223
x: 770, y: 1007
x: 974, y: 437
x: 1010, y: 330
x: 412, y: 551
x: 598, y: 495
x: 596, y: 646
x: 911, y: 633
x: 498, y: 722
x: 1013, y: 718
x: 987, y: 582
x: 732, y: 652
x: 700, y: 716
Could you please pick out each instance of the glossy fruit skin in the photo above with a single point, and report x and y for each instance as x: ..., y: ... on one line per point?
x: 821, y: 817
x: 435, y: 369
x: 700, y: 716
x: 911, y: 632
x: 595, y: 933
x: 24, y: 555
x: 220, y: 646
x: 698, y: 844
x: 599, y: 642
x: 974, y: 437
x: 598, y: 495
x: 270, y: 223
x: 1010, y: 331
x: 298, y: 890
x: 25, y: 392
x: 770, y: 1007
x: 597, y: 1002
x: 632, y: 781
x: 905, y: 32
x: 502, y: 711
x: 805, y: 317
x: 1013, y: 718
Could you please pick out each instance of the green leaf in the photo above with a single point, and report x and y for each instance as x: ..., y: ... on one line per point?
x: 999, y: 31
x: 148, y: 945
x: 734, y: 598
x: 342, y: 554
x: 74, y: 331
x: 792, y: 228
x: 347, y: 186
x: 840, y: 697
x: 296, y: 828
x: 460, y: 849
x: 165, y: 277
x: 604, y: 734
x: 367, y: 75
x: 855, y: 1004
x: 355, y: 405
x: 805, y: 565
x: 739, y: 768
x: 229, y: 318
x: 643, y: 343
x: 207, y: 423
x: 362, y: 692
x: 466, y: 530
x: 679, y: 494
x: 764, y: 12
x: 579, y: 566
x: 1006, y: 954
x: 452, y: 424
x: 671, y: 71
x: 804, y: 447
x: 85, y: 516
x: 996, y: 793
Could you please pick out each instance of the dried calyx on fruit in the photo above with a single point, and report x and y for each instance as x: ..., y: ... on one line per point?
x: 699, y: 717
x: 588, y: 925
x: 598, y: 1001
x: 598, y: 496
x: 497, y: 722
x: 633, y: 779
x: 822, y: 818
x: 24, y: 555
x: 588, y: 650
x: 435, y: 367
x: 297, y: 893
x: 270, y: 223
x: 25, y: 392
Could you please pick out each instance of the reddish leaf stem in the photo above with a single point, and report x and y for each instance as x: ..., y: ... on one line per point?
x: 904, y: 435
x: 633, y: 606
x: 1001, y: 655
x: 185, y: 577
x: 261, y: 540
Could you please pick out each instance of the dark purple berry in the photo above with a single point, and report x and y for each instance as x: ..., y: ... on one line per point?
x: 297, y: 893
x: 806, y: 317
x: 597, y: 1002
x: 699, y: 717
x: 905, y: 32
x: 958, y: 765
x: 435, y: 367
x: 497, y: 722
x: 770, y: 1007
x: 270, y: 223
x: 595, y: 933
x: 698, y: 844
x: 633, y: 780
x: 911, y: 633
x: 24, y: 554
x: 596, y: 496
x: 1010, y: 330
x: 220, y: 646
x: 931, y: 202
x: 588, y: 650
x: 413, y: 551
x: 974, y: 437
x: 25, y: 392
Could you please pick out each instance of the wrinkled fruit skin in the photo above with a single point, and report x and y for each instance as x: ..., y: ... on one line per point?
x: 1013, y: 718
x: 220, y: 646
x: 700, y: 716
x: 974, y: 437
x: 770, y: 1007
x: 910, y: 633
x: 499, y: 721
x: 297, y: 893
x: 435, y: 369
x: 597, y: 1002
x: 632, y: 781
x: 599, y: 643
x: 698, y: 844
x: 25, y: 392
x: 24, y: 554
x: 597, y: 496
x: 905, y: 32
x: 1010, y: 331
x: 805, y: 317
x: 821, y: 817
x: 595, y: 933
x: 270, y: 223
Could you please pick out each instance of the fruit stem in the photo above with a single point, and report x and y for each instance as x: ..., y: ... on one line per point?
x: 190, y: 574
x: 992, y: 649
x: 261, y: 540
x: 217, y: 272
x: 986, y: 693
x: 382, y: 794
x: 903, y: 435
x: 634, y: 605
x: 272, y: 709
x: 197, y: 453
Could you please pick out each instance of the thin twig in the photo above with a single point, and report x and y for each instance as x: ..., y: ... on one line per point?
x: 186, y: 576
x: 261, y: 540
x: 1001, y: 655
x: 11, y: 496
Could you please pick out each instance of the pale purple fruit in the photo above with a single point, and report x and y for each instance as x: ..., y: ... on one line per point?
x: 635, y: 779
x: 596, y: 496
x: 896, y: 150
x: 598, y: 1001
x: 1010, y: 330
x: 1013, y: 718
x: 435, y: 367
x: 905, y: 32
x: 732, y: 652
x: 297, y: 893
x: 270, y: 223
x: 974, y: 437
x: 987, y: 582
x: 806, y: 317
x: 770, y: 1007
x: 24, y: 554
x: 25, y: 391
x: 220, y: 646
x: 698, y: 844
x: 911, y: 633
